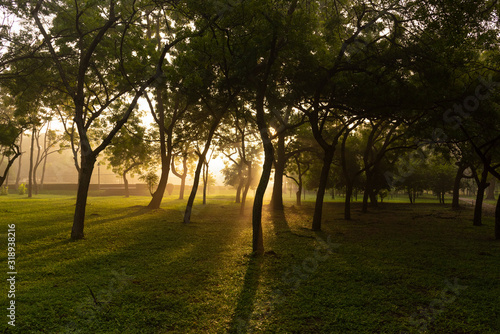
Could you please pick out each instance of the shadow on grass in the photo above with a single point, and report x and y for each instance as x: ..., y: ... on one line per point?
x: 245, y: 305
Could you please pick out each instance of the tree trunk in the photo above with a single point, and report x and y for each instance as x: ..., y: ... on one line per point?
x: 347, y: 203
x: 36, y: 164
x: 165, y: 152
x: 9, y: 165
x: 246, y: 188
x: 181, y: 176
x: 205, y: 181
x: 19, y: 165
x: 497, y: 220
x: 323, y: 180
x: 84, y: 177
x: 196, y: 181
x: 478, y: 209
x: 125, y: 181
x: 455, y: 204
x: 258, y: 240
x: 298, y: 195
x: 367, y: 194
x: 373, y: 198
x: 240, y: 186
x: 30, y: 173
x: 43, y: 172
x: 490, y: 193
x: 279, y: 170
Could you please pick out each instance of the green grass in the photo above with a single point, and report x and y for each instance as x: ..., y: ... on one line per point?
x: 388, y: 271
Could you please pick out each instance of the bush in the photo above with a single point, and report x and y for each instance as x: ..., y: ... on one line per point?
x: 4, y: 191
x: 22, y: 189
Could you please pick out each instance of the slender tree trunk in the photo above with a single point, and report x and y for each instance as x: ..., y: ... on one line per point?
x: 298, y: 195
x: 497, y: 219
x: 279, y: 170
x: 205, y: 181
x: 125, y: 180
x: 165, y: 152
x: 30, y: 175
x: 19, y: 165
x: 246, y: 187
x: 347, y: 204
x: 36, y: 164
x: 490, y: 193
x: 42, y: 180
x: 478, y: 209
x: 84, y: 177
x: 368, y: 191
x: 241, y: 184
x: 455, y: 204
x: 196, y: 181
x: 258, y: 240
x: 323, y: 180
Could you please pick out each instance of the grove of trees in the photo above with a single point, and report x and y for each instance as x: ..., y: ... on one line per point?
x: 361, y: 96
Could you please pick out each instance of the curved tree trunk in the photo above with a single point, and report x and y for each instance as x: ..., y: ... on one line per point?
x: 258, y: 240
x: 165, y: 152
x: 196, y: 181
x: 478, y: 209
x: 84, y: 177
x: 323, y: 180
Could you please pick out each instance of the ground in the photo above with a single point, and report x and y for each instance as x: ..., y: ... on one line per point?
x: 401, y: 268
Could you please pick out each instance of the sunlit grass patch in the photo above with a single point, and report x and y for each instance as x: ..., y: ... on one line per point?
x: 143, y: 271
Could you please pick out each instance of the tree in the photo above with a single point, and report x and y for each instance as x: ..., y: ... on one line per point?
x: 98, y: 65
x: 10, y: 131
x: 187, y: 156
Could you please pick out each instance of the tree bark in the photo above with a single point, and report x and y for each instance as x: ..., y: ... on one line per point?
x: 196, y: 181
x: 279, y: 170
x: 497, y: 220
x: 165, y: 153
x: 258, y: 240
x: 9, y: 165
x: 181, y: 176
x: 455, y: 204
x: 30, y: 173
x: 347, y: 204
x: 205, y: 181
x: 246, y: 187
x: 84, y: 177
x: 478, y: 209
x: 19, y: 165
x: 490, y: 193
x: 323, y: 180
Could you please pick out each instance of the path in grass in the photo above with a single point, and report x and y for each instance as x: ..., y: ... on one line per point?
x: 400, y: 268
x: 487, y: 208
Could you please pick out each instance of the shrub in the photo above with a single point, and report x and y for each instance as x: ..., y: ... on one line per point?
x: 22, y: 189
x: 4, y: 191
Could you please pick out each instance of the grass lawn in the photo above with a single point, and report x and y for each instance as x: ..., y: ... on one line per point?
x: 399, y: 269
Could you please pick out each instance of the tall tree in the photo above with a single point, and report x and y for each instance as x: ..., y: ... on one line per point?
x: 94, y: 48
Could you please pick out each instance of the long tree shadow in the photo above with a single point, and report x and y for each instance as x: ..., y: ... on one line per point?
x: 241, y: 319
